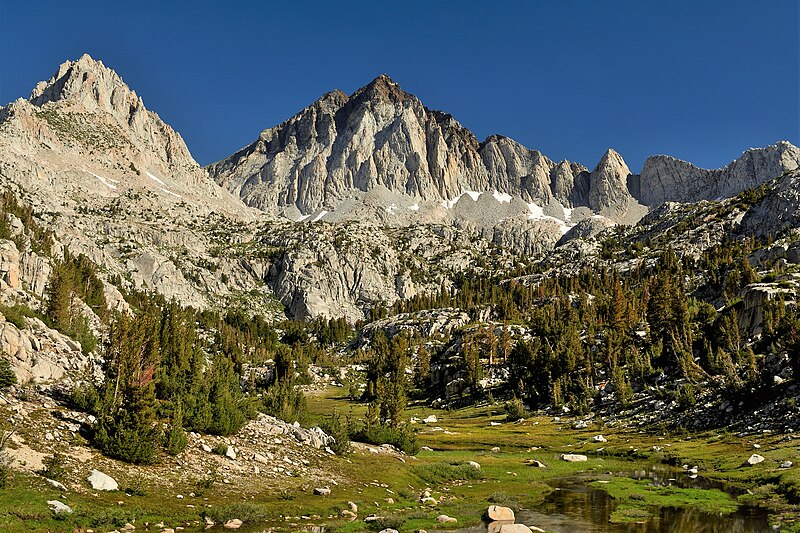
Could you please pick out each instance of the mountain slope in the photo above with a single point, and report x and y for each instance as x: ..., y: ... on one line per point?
x: 114, y: 182
x: 85, y: 132
x: 382, y: 136
x: 666, y: 179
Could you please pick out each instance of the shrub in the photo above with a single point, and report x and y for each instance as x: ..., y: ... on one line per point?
x: 246, y: 512
x: 205, y: 483
x: 175, y: 440
x: 54, y: 467
x: 684, y: 395
x: 515, y: 409
x: 504, y: 499
x: 340, y: 430
x: 220, y: 449
x: 7, y: 376
x: 128, y: 441
x: 387, y: 522
x: 403, y: 438
x: 283, y: 400
x: 442, y: 472
x: 5, y: 460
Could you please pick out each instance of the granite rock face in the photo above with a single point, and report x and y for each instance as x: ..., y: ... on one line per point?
x: 382, y: 136
x: 665, y: 178
x: 778, y: 210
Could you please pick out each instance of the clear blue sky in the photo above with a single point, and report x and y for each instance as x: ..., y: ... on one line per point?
x: 700, y: 80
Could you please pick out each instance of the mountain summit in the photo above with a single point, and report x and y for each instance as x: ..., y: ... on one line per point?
x: 90, y: 134
x: 383, y: 136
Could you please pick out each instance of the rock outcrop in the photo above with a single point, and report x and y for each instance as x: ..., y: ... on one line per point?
x: 778, y: 210
x: 382, y: 136
x: 665, y: 178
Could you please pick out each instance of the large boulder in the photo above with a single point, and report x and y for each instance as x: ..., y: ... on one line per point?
x: 100, y: 481
x: 59, y: 507
x: 499, y: 513
x: 573, y: 457
x: 753, y: 460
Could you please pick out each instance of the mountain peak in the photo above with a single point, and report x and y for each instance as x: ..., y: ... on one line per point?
x: 382, y: 88
x: 382, y: 79
x: 88, y: 84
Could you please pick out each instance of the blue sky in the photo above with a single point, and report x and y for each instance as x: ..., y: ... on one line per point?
x: 700, y: 80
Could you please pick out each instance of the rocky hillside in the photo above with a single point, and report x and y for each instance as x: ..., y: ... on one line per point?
x: 381, y: 136
x: 385, y: 198
x: 341, y: 147
x: 666, y: 179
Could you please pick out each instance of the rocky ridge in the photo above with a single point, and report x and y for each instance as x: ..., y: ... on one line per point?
x: 320, y: 162
x: 381, y: 136
x: 665, y: 178
x: 119, y: 185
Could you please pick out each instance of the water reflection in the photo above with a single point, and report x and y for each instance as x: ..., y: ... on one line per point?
x: 574, y: 507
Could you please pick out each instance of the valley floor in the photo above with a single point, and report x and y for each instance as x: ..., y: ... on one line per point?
x: 269, y: 482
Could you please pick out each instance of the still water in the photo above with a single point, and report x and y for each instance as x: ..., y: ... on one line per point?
x: 575, y: 507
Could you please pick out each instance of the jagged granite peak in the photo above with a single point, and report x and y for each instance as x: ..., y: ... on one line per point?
x: 666, y: 178
x: 382, y: 87
x: 87, y: 82
x: 383, y: 136
x: 608, y: 183
x: 84, y: 136
x: 570, y: 184
x: 88, y: 86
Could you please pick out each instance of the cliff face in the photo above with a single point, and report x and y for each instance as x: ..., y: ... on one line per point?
x: 382, y: 136
x: 410, y: 198
x: 665, y: 178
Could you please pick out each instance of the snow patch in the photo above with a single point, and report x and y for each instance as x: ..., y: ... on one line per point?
x: 172, y: 193
x: 449, y: 204
x: 537, y: 213
x: 414, y: 207
x: 107, y: 182
x: 474, y: 195
x: 302, y: 218
x: 154, y: 178
x: 502, y: 197
x: 391, y: 209
x: 319, y: 216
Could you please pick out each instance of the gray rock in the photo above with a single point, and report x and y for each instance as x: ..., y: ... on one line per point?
x: 753, y: 460
x: 56, y: 484
x: 573, y: 457
x: 322, y: 491
x: 58, y: 507
x: 499, y: 513
x: 100, y: 481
